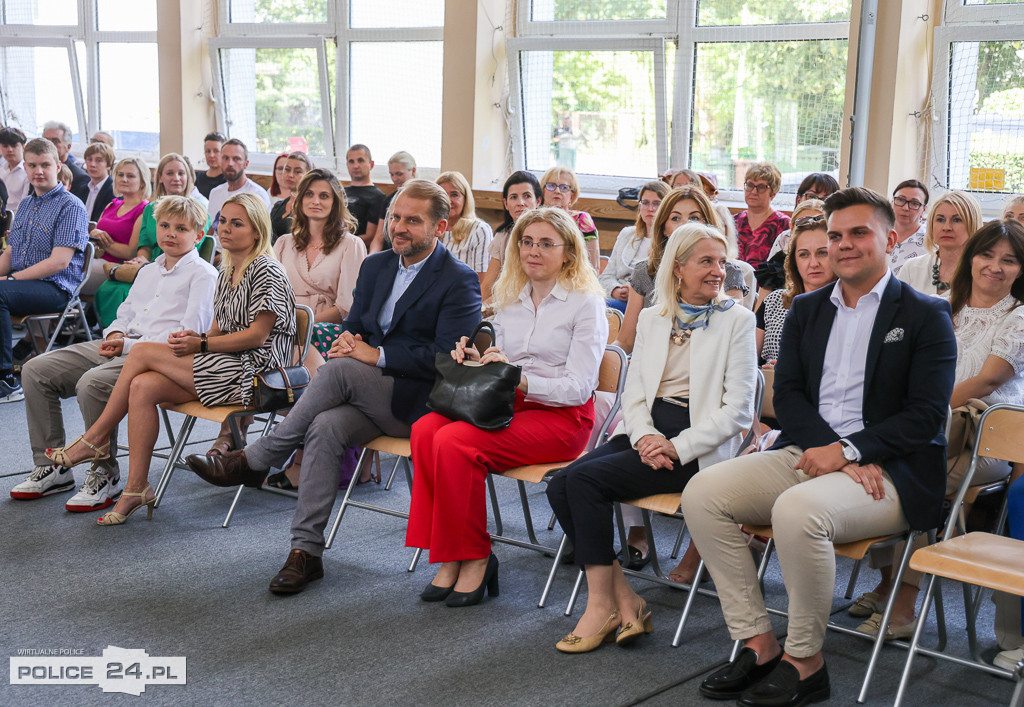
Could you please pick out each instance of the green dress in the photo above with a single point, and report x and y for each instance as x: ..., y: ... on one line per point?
x: 111, y: 294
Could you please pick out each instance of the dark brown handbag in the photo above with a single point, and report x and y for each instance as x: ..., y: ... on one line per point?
x: 482, y: 395
x: 278, y: 388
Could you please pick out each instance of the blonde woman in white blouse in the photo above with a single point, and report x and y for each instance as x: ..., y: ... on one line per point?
x: 632, y: 246
x: 551, y: 322
x: 467, y: 236
x: 953, y: 218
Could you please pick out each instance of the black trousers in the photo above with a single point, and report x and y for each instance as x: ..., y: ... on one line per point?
x: 582, y: 494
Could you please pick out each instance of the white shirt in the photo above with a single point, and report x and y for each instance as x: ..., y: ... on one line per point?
x: 913, y: 247
x: 841, y: 395
x: 559, y: 345
x: 220, y: 194
x: 626, y: 253
x: 473, y: 249
x: 16, y: 181
x: 917, y: 272
x: 163, y: 301
x: 94, y: 191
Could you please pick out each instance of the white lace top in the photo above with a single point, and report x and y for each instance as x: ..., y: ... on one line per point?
x: 992, y: 331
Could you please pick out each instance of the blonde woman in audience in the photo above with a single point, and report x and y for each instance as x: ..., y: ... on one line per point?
x: 632, y: 246
x: 294, y: 166
x: 116, y: 236
x: 174, y: 177
x: 759, y: 226
x: 562, y: 190
x: 253, y: 330
x: 401, y: 168
x: 689, y: 395
x: 520, y: 193
x: 909, y: 203
x: 467, y: 236
x: 1014, y: 208
x: 550, y: 322
x: 321, y: 257
x: 952, y: 219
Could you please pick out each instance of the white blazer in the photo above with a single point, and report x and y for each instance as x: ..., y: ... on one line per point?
x: 723, y: 373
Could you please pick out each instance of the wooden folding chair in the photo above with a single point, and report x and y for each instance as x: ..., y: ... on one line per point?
x: 35, y: 323
x: 980, y: 559
x: 195, y: 410
x: 614, y: 323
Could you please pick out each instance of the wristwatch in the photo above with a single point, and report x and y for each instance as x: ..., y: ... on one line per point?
x: 202, y: 343
x: 849, y: 453
x: 11, y: 277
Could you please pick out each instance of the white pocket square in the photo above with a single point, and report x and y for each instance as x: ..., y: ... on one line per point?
x: 894, y: 335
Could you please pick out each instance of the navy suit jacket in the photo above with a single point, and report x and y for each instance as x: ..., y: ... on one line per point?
x: 104, y: 197
x: 908, y: 382
x: 441, y: 305
x: 79, y: 179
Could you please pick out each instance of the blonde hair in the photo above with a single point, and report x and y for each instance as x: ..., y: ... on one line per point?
x: 577, y: 274
x: 661, y: 189
x: 103, y: 150
x: 679, y: 249
x: 190, y: 175
x: 967, y: 208
x: 767, y: 173
x: 259, y: 217
x: 1014, y: 200
x: 143, y: 173
x: 658, y: 238
x: 183, y: 207
x: 554, y: 173
x: 804, y: 206
x: 693, y: 177
x: 467, y: 220
x: 403, y: 158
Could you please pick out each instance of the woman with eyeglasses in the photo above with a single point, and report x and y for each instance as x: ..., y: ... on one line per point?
x: 807, y: 268
x: 561, y: 190
x: 632, y: 246
x: 293, y: 167
x: 951, y: 220
x: 689, y: 394
x: 550, y: 322
x: 520, y: 193
x: 759, y: 226
x: 816, y: 187
x: 909, y: 202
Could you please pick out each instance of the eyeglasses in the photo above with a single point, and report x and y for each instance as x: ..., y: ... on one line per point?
x: 810, y: 195
x: 650, y: 204
x: 564, y: 188
x: 545, y: 246
x: 911, y: 204
x: 807, y: 221
x: 759, y: 188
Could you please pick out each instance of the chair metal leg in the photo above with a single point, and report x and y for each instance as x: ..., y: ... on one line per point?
x: 575, y: 593
x: 689, y: 604
x: 652, y: 549
x: 972, y: 631
x: 551, y: 522
x: 854, y: 574
x: 498, y: 528
x: 1018, y: 692
x: 344, y: 501
x: 167, y: 426
x: 915, y: 641
x: 679, y: 540
x: 391, y: 476
x: 887, y: 614
x: 172, y: 458
x: 940, y: 616
x: 551, y: 573
x: 527, y: 516
x: 415, y: 559
x: 231, y: 511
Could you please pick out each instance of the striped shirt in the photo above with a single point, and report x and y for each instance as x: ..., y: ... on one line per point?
x: 54, y: 220
x: 473, y: 249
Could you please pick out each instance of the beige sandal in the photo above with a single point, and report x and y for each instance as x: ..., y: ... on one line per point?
x: 115, y: 518
x: 60, y: 457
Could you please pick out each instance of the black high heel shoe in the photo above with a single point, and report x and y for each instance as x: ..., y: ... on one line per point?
x: 436, y: 593
x: 490, y: 583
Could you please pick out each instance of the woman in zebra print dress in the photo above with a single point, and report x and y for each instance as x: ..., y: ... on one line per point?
x: 253, y: 330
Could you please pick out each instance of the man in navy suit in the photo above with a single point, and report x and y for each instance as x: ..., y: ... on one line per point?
x: 410, y: 303
x: 862, y: 385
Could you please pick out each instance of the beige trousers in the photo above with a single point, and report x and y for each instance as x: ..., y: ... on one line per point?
x: 77, y: 370
x: 807, y: 515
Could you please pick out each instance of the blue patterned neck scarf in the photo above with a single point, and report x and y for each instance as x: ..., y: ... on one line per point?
x: 689, y: 317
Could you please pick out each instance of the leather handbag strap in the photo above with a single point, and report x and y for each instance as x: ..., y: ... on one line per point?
x: 481, y: 327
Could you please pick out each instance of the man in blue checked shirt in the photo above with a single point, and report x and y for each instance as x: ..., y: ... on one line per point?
x: 43, y: 262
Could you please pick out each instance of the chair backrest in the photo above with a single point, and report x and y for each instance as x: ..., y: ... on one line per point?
x: 768, y: 404
x: 5, y: 225
x: 90, y: 253
x: 603, y: 263
x: 303, y: 329
x: 614, y: 323
x: 611, y: 378
x: 760, y: 389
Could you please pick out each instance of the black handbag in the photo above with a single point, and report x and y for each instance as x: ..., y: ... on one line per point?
x: 482, y: 395
x: 278, y: 388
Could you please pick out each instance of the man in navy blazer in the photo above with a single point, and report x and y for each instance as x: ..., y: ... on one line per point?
x: 862, y: 385
x: 410, y: 303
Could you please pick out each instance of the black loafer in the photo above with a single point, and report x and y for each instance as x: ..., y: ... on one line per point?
x: 637, y: 560
x: 784, y: 688
x: 730, y: 682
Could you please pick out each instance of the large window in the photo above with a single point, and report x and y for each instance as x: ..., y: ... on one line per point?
x: 319, y: 75
x: 90, y: 64
x: 622, y: 90
x: 977, y: 121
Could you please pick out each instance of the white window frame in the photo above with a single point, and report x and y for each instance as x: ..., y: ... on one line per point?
x: 956, y: 12
x: 680, y: 25
x: 266, y: 35
x: 87, y: 96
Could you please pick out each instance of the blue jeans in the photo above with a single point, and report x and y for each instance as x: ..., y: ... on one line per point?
x: 22, y: 297
x: 1015, y: 516
x: 616, y: 304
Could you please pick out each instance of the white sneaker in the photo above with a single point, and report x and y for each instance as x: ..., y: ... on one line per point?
x: 43, y: 481
x: 1008, y: 659
x: 98, y: 491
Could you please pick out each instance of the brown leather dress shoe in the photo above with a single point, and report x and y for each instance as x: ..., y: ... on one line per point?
x: 231, y: 469
x: 299, y: 569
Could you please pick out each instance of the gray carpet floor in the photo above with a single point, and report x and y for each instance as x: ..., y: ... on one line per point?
x: 181, y: 585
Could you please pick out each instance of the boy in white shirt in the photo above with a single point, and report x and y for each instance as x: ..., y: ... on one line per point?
x: 12, y: 166
x: 174, y: 293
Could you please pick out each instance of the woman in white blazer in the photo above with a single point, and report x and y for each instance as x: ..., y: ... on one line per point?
x: 694, y: 358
